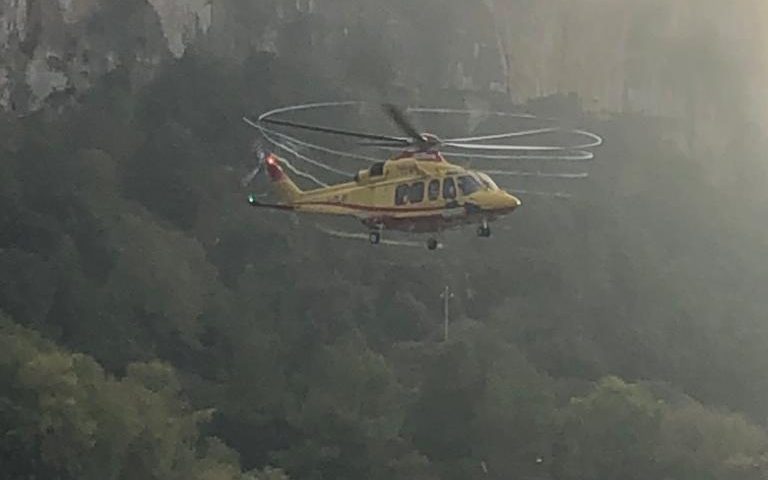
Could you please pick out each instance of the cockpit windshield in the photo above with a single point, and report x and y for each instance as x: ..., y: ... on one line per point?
x: 469, y: 185
x: 486, y: 180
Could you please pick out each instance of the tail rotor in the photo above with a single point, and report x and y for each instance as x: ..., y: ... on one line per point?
x: 260, y: 154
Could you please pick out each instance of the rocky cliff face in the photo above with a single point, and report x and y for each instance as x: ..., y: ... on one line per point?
x: 54, y: 49
x: 624, y: 55
x: 183, y: 21
x: 675, y: 58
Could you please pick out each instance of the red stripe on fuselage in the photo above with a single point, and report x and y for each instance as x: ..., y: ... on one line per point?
x: 424, y: 224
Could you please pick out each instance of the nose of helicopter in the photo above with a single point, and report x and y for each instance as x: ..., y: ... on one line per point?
x: 510, y: 202
x: 499, y: 201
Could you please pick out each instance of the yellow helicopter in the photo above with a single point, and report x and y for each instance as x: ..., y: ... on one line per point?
x: 417, y: 190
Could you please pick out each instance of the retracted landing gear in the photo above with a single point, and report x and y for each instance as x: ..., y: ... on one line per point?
x: 484, y: 230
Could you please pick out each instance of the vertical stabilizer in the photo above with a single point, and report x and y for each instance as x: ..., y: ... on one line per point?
x: 284, y: 186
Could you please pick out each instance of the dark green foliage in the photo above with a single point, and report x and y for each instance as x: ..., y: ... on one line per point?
x: 609, y: 433
x: 63, y: 417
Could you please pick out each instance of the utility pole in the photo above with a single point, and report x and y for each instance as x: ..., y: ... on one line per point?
x: 446, y: 296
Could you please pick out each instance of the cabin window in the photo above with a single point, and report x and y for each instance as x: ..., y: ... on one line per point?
x: 468, y: 185
x: 416, y: 195
x: 434, y: 190
x: 401, y: 194
x: 449, y: 188
x: 377, y: 169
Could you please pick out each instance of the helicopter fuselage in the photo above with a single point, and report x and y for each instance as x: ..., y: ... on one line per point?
x: 409, y: 194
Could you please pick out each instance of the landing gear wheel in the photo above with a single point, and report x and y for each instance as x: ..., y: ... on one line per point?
x: 432, y: 244
x: 374, y: 238
x: 484, y: 231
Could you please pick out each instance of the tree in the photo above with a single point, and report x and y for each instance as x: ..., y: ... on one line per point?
x: 609, y: 433
x: 514, y: 420
x: 65, y: 418
x: 700, y: 443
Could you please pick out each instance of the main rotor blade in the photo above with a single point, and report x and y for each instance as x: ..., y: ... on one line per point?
x: 576, y: 156
x: 336, y: 131
x: 381, y: 144
x: 402, y: 121
x: 525, y: 173
x: 516, y: 148
x: 523, y: 133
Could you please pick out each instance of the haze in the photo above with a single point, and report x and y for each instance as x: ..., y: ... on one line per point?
x: 154, y: 325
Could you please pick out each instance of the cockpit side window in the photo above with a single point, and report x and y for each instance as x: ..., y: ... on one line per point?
x: 469, y: 185
x: 487, y: 181
x: 401, y: 194
x: 433, y: 192
x: 416, y: 194
x: 449, y: 188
